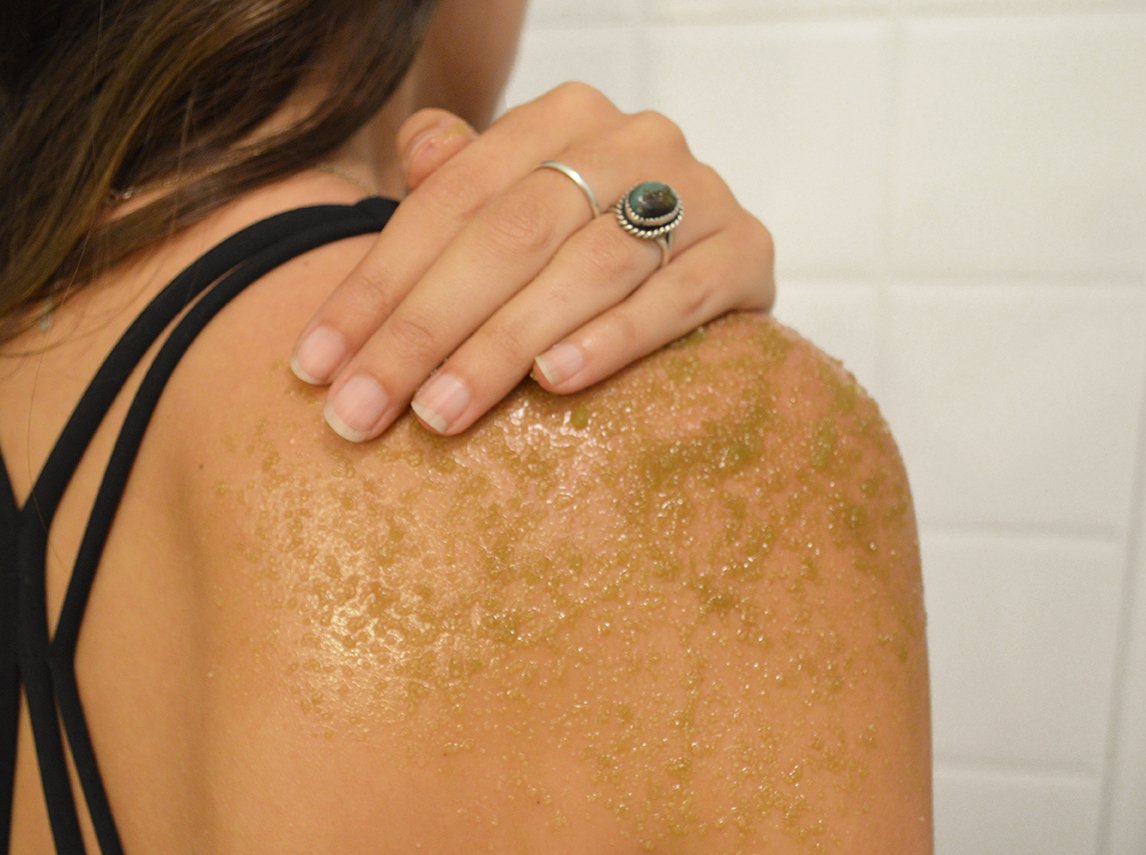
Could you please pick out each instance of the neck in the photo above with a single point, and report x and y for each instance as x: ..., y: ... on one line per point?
x: 369, y: 159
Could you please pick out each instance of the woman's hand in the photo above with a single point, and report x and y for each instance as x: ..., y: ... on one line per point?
x: 495, y: 266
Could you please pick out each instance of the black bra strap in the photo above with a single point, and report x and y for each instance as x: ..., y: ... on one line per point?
x: 115, y: 480
x: 144, y: 331
x: 47, y: 664
x: 9, y: 662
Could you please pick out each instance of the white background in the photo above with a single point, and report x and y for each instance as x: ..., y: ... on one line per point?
x: 958, y: 194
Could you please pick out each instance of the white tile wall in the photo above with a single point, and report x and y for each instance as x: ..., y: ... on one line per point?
x: 958, y: 193
x: 1123, y: 823
x: 805, y: 141
x: 1017, y: 403
x: 578, y: 14
x: 999, y: 812
x: 1014, y: 680
x: 594, y: 55
x: 841, y: 317
x: 1022, y: 138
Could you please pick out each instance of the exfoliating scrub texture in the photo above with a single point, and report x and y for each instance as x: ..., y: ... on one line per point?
x: 669, y: 600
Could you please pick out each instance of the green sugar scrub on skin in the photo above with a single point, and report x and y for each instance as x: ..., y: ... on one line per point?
x: 664, y: 604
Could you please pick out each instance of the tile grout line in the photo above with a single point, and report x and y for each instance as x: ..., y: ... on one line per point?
x: 882, y: 271
x: 640, y: 38
x: 1033, y: 769
x: 1048, y: 535
x: 880, y: 11
x: 1133, y: 567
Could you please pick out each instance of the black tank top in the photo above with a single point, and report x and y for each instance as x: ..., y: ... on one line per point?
x: 45, y: 664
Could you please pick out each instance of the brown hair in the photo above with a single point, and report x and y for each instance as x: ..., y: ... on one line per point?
x: 101, y: 95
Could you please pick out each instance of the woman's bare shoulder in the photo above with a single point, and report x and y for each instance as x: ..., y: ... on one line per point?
x: 744, y: 405
x: 683, y: 605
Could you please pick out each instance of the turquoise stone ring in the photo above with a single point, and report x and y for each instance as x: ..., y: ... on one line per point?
x: 649, y: 210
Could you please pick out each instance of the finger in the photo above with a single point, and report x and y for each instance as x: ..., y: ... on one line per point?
x: 730, y: 270
x: 505, y: 245
x: 593, y: 271
x: 428, y: 139
x: 430, y: 218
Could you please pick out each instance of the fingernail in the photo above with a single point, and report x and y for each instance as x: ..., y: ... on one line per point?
x: 355, y: 411
x: 461, y: 129
x: 453, y: 129
x: 440, y: 401
x: 318, y: 355
x: 419, y: 142
x: 560, y: 362
x: 436, y: 135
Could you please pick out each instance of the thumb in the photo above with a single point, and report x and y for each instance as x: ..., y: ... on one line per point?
x: 428, y: 139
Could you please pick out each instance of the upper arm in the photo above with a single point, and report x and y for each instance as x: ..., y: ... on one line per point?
x: 767, y: 517
x: 680, y: 610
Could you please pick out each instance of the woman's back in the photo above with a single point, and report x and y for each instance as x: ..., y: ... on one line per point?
x: 677, y: 613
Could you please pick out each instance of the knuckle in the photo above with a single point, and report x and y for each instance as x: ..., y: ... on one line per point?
x: 509, y: 344
x: 581, y: 99
x: 415, y: 336
x: 452, y: 193
x: 759, y: 241
x: 624, y: 332
x: 707, y: 176
x: 612, y: 255
x: 659, y: 127
x: 523, y: 225
x: 764, y: 282
x: 376, y: 281
x: 688, y: 295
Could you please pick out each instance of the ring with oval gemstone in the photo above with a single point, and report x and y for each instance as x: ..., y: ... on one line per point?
x: 651, y: 210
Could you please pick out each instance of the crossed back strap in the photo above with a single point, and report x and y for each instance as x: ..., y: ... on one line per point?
x: 43, y: 663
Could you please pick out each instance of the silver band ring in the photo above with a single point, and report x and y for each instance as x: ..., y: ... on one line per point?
x: 574, y: 176
x: 651, y: 210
